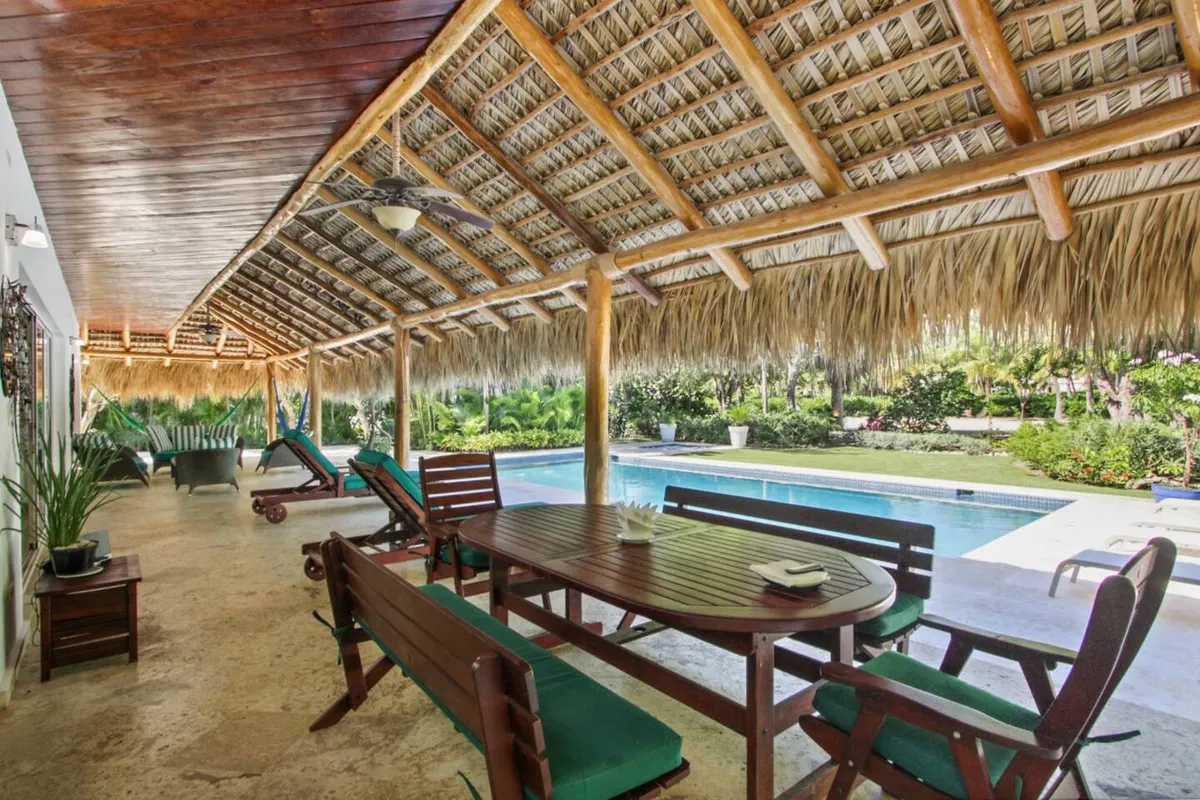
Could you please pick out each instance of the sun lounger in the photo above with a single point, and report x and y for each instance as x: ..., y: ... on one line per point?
x: 327, y: 481
x: 544, y: 728
x: 1113, y: 562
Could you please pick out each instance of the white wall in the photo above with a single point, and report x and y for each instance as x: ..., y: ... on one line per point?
x: 40, y: 271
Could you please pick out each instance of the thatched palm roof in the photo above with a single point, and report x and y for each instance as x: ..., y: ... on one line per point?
x: 886, y: 91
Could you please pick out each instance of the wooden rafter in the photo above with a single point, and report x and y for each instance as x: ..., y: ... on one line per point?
x: 755, y: 70
x: 280, y: 276
x: 98, y: 352
x: 515, y: 171
x: 589, y: 103
x: 1187, y: 24
x: 981, y: 31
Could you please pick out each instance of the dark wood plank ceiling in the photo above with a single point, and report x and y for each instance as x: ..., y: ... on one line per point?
x: 162, y: 135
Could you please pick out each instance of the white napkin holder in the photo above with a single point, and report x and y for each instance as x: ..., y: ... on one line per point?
x: 637, y: 521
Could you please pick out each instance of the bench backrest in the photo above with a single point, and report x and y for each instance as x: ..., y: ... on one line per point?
x: 459, y: 485
x: 904, y: 549
x: 388, y: 489
x: 489, y: 691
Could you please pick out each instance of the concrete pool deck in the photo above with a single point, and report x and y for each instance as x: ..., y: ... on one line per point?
x: 233, y: 668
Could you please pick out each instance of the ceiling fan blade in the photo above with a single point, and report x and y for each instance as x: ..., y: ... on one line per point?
x: 433, y: 192
x: 311, y: 211
x: 457, y: 213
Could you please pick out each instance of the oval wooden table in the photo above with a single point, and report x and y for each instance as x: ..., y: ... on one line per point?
x: 693, y: 577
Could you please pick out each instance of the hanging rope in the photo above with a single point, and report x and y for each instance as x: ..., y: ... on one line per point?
x: 120, y: 412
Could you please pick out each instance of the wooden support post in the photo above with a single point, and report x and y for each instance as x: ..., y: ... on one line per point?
x: 595, y: 376
x: 982, y: 34
x: 529, y: 36
x: 780, y: 107
x: 314, y: 394
x: 269, y: 374
x: 400, y: 447
x: 1187, y: 26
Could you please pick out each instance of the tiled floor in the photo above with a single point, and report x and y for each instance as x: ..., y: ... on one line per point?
x: 233, y: 669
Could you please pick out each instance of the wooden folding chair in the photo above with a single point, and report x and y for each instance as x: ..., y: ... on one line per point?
x: 923, y: 733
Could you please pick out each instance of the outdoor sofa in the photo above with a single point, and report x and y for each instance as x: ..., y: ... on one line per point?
x: 166, y: 443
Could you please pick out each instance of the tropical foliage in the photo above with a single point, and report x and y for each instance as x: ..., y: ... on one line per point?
x: 1127, y: 454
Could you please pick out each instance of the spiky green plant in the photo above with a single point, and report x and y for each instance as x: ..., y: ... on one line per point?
x: 59, y: 493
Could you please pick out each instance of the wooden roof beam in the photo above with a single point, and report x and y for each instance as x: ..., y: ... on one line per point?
x: 272, y: 342
x: 295, y: 309
x: 1187, y: 26
x: 292, y: 328
x: 451, y: 241
x: 981, y: 31
x: 780, y: 107
x: 94, y: 352
x: 589, y: 103
x: 409, y: 256
x: 314, y: 296
x: 551, y: 203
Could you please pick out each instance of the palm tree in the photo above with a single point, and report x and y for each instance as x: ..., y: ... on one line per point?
x: 1025, y: 372
x: 1060, y: 363
x: 984, y: 367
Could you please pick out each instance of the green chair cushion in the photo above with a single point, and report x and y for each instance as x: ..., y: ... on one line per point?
x: 922, y: 753
x: 307, y: 443
x: 354, y: 483
x: 469, y: 556
x: 165, y: 456
x: 403, y: 477
x: 902, y: 614
x: 599, y: 744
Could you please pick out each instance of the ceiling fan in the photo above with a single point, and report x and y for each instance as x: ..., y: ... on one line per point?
x: 396, y: 204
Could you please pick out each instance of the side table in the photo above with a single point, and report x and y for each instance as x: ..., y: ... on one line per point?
x: 89, y: 618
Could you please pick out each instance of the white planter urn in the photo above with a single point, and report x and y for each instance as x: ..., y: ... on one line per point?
x: 666, y: 431
x: 738, y: 434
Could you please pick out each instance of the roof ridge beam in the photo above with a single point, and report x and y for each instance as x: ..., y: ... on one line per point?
x: 782, y: 110
x: 981, y: 31
x: 529, y: 36
x: 551, y: 203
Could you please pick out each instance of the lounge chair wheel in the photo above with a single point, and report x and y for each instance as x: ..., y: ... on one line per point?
x: 257, y: 506
x: 276, y: 513
x: 313, y: 569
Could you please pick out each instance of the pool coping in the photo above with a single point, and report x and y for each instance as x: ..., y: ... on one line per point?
x: 1044, y: 500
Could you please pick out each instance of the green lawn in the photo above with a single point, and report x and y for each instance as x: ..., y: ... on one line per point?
x: 943, y: 466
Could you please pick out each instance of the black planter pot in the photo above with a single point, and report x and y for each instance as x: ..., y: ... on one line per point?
x: 67, y: 561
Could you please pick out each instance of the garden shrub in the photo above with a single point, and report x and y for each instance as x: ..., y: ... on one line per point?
x: 640, y: 403
x: 816, y: 406
x: 509, y: 440
x: 861, y: 405
x: 1099, y: 452
x: 922, y: 404
x: 923, y: 442
x: 786, y: 429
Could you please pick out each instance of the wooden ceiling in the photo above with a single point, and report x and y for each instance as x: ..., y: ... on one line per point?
x: 162, y: 135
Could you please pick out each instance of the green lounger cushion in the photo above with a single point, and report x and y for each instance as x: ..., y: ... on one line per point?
x: 354, y: 483
x: 300, y: 438
x: 407, y: 482
x: 901, y: 615
x: 921, y: 753
x: 599, y: 744
x: 469, y: 556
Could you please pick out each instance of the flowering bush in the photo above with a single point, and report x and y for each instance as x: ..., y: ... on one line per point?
x: 1099, y: 452
x: 1168, y: 389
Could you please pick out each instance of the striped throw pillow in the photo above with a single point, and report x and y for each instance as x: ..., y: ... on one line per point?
x: 189, y: 437
x: 160, y: 440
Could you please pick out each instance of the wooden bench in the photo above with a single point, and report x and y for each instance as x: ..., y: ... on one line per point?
x: 543, y: 727
x: 1114, y: 562
x: 904, y: 549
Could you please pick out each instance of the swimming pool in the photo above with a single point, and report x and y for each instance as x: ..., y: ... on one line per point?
x: 961, y: 526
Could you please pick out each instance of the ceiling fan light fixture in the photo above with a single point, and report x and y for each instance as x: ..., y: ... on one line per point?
x: 209, y: 334
x: 396, y: 218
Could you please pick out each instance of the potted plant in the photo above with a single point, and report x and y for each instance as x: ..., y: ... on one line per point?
x: 57, y: 493
x: 666, y: 429
x: 1168, y: 389
x: 738, y: 430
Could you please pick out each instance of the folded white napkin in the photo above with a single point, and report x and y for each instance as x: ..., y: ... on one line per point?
x: 776, y: 573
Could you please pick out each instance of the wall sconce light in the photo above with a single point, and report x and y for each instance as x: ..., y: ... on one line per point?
x: 16, y: 233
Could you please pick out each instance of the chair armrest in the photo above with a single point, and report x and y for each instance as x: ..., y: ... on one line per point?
x: 998, y: 644
x: 936, y: 713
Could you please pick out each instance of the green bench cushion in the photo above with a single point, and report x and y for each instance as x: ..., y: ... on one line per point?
x: 921, y: 753
x: 901, y: 615
x: 599, y: 744
x: 407, y: 482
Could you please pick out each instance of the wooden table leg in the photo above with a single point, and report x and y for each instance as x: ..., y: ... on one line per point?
x: 499, y: 579
x: 133, y: 623
x: 47, y: 647
x: 760, y: 719
x: 842, y: 649
x: 574, y: 606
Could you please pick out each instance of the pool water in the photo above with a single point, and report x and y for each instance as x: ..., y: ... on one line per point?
x: 960, y: 526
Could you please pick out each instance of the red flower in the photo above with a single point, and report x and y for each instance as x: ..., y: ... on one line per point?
x: 1088, y: 470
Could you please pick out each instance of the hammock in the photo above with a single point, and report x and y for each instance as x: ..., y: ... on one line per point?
x: 229, y: 414
x: 120, y: 412
x: 281, y: 414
